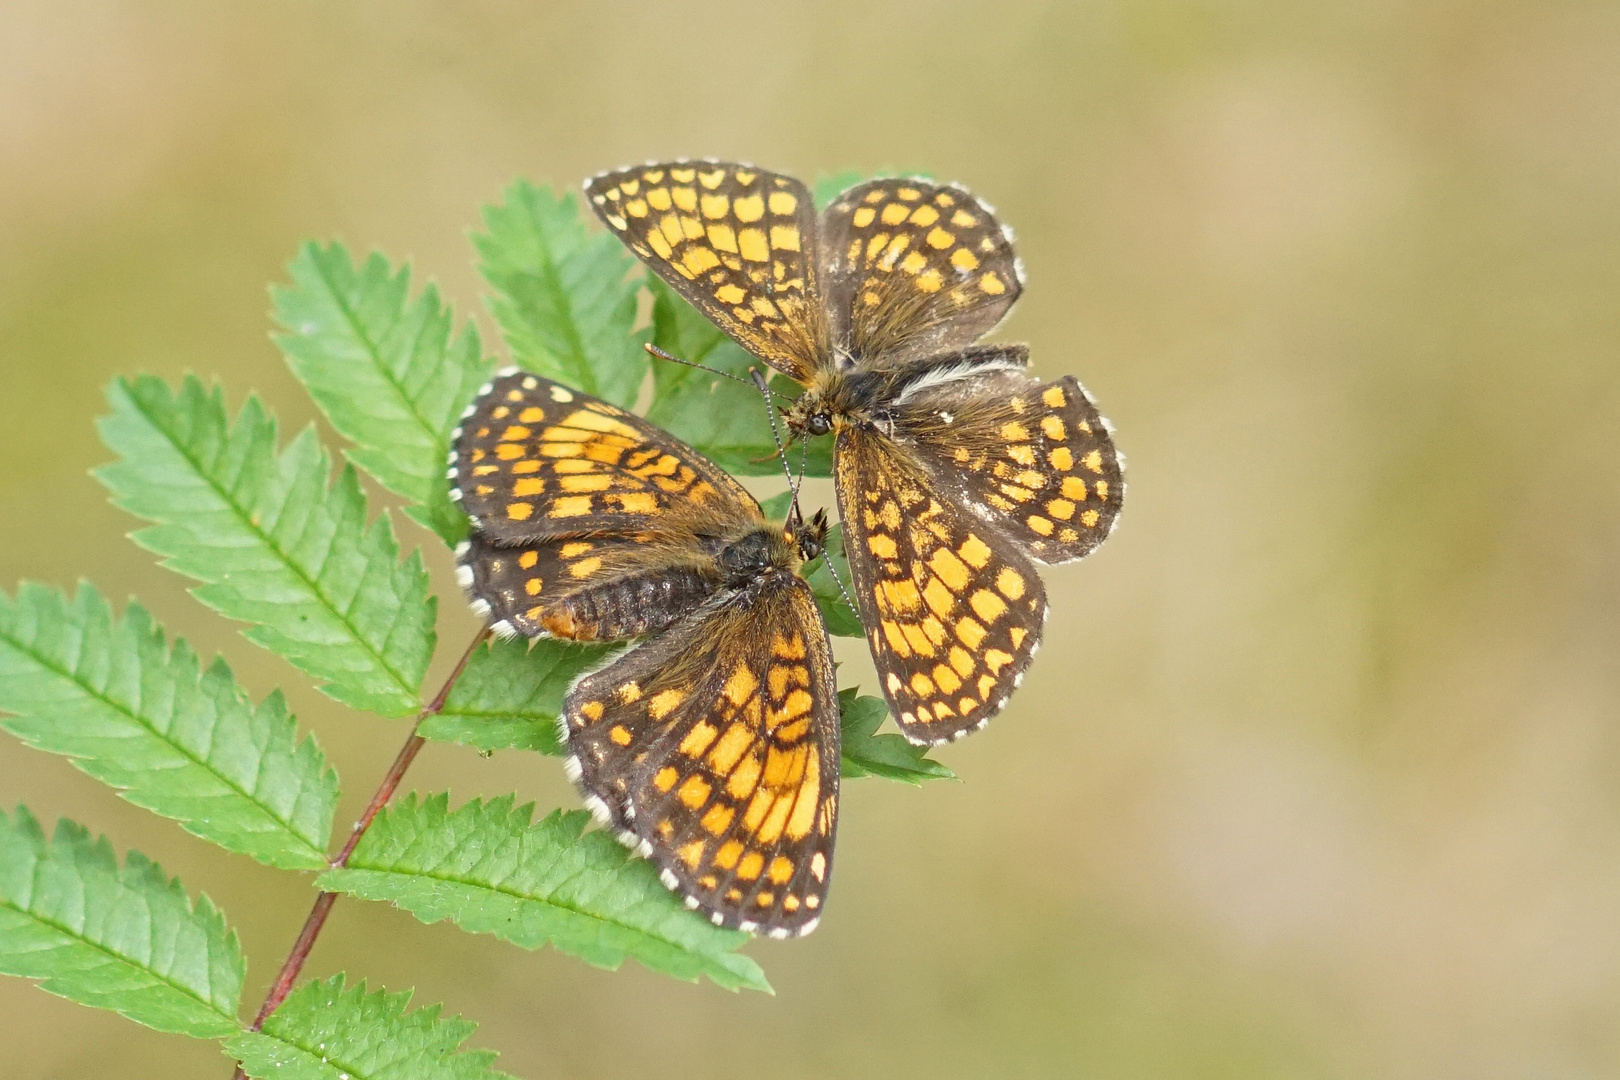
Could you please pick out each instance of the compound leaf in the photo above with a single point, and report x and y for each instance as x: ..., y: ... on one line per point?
x: 127, y: 939
x: 490, y: 868
x: 564, y: 297
x: 181, y: 741
x: 384, y: 369
x: 274, y: 545
x: 326, y: 1031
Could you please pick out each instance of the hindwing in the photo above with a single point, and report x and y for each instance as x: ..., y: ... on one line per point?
x: 714, y: 749
x: 1037, y: 459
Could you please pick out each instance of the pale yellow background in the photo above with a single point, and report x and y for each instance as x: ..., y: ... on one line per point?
x: 1316, y: 775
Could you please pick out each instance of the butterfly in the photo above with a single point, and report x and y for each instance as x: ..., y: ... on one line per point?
x: 711, y: 745
x: 956, y: 469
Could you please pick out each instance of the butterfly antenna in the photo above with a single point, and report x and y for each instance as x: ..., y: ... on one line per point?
x: 833, y: 570
x: 776, y: 435
x: 662, y: 355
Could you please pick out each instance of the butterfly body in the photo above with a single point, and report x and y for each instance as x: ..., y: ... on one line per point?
x: 711, y: 744
x: 957, y: 470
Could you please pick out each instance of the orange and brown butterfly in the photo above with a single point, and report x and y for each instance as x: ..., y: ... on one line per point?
x: 711, y: 746
x: 956, y: 469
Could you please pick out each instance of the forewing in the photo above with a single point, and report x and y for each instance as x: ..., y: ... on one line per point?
x: 952, y: 610
x: 1036, y: 459
x: 736, y: 241
x: 535, y: 459
x: 713, y: 749
x: 912, y: 268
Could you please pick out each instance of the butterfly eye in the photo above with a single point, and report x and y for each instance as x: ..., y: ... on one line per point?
x: 818, y: 424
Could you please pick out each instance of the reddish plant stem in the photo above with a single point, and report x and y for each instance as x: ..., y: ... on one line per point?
x: 294, y: 964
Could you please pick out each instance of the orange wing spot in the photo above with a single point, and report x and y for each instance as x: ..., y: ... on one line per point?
x: 748, y: 208
x: 1039, y: 524
x: 917, y: 640
x: 929, y: 281
x: 971, y: 632
x: 1061, y: 459
x: 729, y: 853
x: 781, y: 870
x: 933, y: 630
x: 750, y: 866
x: 873, y: 196
x: 1052, y: 427
x: 992, y: 284
x: 723, y: 238
x: 894, y: 214
x: 508, y: 451
x: 897, y: 640
x: 571, y: 506
x: 1013, y: 431
x: 619, y: 734
x: 743, y: 778
x: 665, y: 778
x: 995, y: 660
x: 1093, y: 461
x: 966, y: 705
x: 1054, y: 397
x: 533, y: 586
x: 898, y: 596
x: 1102, y: 489
x: 685, y: 199
x: 975, y: 552
x: 532, y: 415
x: 664, y: 702
x: 718, y: 818
x: 940, y: 600
x: 741, y: 685
x: 694, y: 792
x: 774, y: 824
x: 987, y: 683
x: 940, y: 239
x: 586, y: 482
x: 1074, y: 488
x: 951, y: 570
x: 730, y: 749
x: 716, y: 206
x: 784, y: 203
x: 788, y: 648
x: 592, y: 710
x: 922, y: 685
x: 797, y: 704
x: 864, y: 217
x: 914, y: 262
x: 1018, y: 634
x: 1090, y: 518
x: 882, y: 546
x: 698, y: 259
x: 964, y: 260
x: 910, y: 194
x: 637, y: 502
x: 875, y: 245
x: 529, y: 486
x: 1062, y: 509
x: 519, y: 511
x: 1011, y: 583
x: 691, y: 854
x: 751, y: 243
x: 629, y: 692
x: 576, y: 549
x: 812, y: 902
x: 924, y: 215
x: 963, y: 219
x: 711, y: 180
x: 961, y: 661
x: 698, y: 739
x: 636, y: 208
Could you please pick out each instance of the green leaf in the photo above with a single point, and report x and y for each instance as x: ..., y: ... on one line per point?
x: 726, y: 420
x: 511, y: 694
x: 324, y: 1031
x: 274, y: 545
x: 828, y: 186
x: 128, y: 940
x: 565, y: 298
x: 840, y: 617
x: 493, y: 870
x: 385, y: 371
x: 889, y: 756
x: 180, y: 741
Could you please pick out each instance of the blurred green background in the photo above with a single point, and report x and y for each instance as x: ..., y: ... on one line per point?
x: 1315, y: 775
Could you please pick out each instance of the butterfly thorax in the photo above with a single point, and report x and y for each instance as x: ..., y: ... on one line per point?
x: 835, y: 400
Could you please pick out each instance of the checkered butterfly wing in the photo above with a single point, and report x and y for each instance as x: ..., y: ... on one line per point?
x: 953, y: 609
x: 1036, y: 460
x: 911, y: 268
x: 714, y: 749
x: 534, y: 458
x: 736, y: 241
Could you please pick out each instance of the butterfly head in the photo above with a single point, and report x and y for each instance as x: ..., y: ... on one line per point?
x: 809, y: 538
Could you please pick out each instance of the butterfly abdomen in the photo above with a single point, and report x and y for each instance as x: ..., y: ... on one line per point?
x: 631, y: 606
